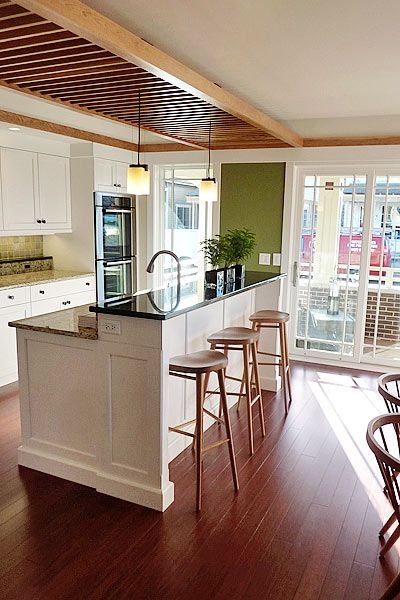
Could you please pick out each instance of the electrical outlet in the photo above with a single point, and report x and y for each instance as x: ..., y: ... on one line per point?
x: 264, y: 258
x: 111, y: 327
x: 276, y: 259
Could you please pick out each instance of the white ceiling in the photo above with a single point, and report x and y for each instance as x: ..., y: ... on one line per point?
x: 297, y: 60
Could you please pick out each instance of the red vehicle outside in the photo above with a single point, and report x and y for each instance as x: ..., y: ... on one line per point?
x: 355, y: 254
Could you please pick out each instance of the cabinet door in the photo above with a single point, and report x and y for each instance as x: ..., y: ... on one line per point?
x: 19, y: 186
x: 121, y: 176
x: 104, y: 175
x: 8, y: 346
x: 54, y: 192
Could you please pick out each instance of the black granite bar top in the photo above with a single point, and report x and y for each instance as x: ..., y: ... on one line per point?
x: 164, y: 303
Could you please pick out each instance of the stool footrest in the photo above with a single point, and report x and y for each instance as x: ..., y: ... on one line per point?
x: 210, y: 414
x: 268, y: 354
x: 215, y: 444
x: 182, y: 431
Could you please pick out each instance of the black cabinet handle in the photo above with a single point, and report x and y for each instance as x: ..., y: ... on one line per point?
x: 87, y: 283
x: 11, y: 297
x: 43, y: 220
x: 38, y: 221
x: 41, y: 291
x: 66, y: 302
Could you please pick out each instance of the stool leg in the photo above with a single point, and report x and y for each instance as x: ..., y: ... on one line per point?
x: 248, y: 396
x: 258, y: 387
x: 199, y: 436
x: 224, y: 402
x: 282, y: 362
x: 289, y: 383
x: 225, y: 351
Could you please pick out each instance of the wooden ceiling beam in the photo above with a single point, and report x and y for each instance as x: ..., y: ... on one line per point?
x: 352, y: 141
x: 74, y: 16
x: 41, y: 125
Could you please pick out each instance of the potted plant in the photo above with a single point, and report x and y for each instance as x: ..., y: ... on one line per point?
x: 239, y: 245
x: 214, y: 253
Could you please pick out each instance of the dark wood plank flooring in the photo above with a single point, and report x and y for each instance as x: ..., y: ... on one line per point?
x: 304, y: 525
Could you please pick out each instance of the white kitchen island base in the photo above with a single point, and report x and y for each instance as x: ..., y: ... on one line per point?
x: 97, y: 411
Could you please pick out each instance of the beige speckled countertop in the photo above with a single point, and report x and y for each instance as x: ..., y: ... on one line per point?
x: 11, y: 281
x: 62, y: 322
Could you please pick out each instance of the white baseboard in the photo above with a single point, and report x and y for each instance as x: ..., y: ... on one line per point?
x: 57, y: 466
x: 134, y: 492
x: 102, y: 482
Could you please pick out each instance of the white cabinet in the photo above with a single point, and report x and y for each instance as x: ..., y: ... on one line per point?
x: 35, y: 192
x: 54, y: 192
x: 60, y: 295
x: 19, y: 190
x: 110, y: 176
x: 13, y: 306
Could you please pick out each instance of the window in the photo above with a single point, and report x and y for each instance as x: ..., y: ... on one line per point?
x: 182, y: 223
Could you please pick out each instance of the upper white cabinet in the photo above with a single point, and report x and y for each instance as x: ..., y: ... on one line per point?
x: 54, y: 192
x: 35, y: 192
x: 19, y: 190
x: 110, y: 175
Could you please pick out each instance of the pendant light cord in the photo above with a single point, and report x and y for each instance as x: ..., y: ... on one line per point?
x: 138, y: 146
x: 209, y: 151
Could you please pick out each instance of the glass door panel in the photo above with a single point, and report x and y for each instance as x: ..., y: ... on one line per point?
x: 328, y: 268
x: 382, y: 322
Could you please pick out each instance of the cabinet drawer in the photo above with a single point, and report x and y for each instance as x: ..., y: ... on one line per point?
x: 80, y: 284
x: 64, y: 287
x: 13, y: 296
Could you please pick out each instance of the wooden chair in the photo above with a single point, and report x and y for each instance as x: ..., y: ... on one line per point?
x: 275, y: 319
x: 195, y: 367
x: 389, y: 389
x: 244, y: 340
x: 388, y: 427
x: 393, y: 590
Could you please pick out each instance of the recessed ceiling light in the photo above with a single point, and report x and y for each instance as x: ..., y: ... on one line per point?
x: 14, y: 128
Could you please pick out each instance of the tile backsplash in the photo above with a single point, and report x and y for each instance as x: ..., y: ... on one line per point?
x: 26, y: 246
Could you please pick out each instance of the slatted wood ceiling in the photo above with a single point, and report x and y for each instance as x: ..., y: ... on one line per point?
x: 38, y: 57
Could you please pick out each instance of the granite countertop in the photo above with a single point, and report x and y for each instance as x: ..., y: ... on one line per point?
x: 62, y: 322
x: 31, y: 278
x: 165, y: 303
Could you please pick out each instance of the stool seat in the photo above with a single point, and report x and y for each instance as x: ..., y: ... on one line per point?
x: 269, y: 316
x: 234, y: 336
x: 205, y: 361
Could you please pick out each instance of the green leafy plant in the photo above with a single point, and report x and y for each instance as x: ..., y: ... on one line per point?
x: 239, y: 245
x: 215, y: 251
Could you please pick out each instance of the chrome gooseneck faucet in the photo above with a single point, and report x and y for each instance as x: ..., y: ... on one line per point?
x: 150, y: 266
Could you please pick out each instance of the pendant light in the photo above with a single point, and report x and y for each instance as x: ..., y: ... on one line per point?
x: 208, y: 186
x: 138, y: 175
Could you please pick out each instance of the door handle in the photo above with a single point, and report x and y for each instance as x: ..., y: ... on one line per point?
x: 295, y: 273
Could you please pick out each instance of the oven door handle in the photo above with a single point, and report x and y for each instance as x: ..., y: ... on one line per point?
x: 126, y: 211
x: 117, y: 262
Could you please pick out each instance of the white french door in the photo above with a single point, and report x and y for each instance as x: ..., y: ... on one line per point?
x: 346, y: 271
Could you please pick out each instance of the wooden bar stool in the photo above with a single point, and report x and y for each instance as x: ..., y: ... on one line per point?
x: 245, y: 340
x: 274, y: 319
x: 196, y: 366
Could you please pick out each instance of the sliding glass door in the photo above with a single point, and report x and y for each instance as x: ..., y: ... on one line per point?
x: 382, y: 320
x: 327, y: 269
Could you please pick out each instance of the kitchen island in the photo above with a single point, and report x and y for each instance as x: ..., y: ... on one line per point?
x: 95, y: 407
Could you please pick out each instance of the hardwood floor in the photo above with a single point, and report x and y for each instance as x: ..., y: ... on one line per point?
x: 304, y: 524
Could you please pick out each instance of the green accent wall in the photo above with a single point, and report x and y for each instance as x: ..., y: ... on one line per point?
x: 252, y: 197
